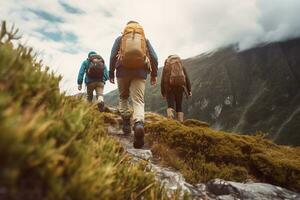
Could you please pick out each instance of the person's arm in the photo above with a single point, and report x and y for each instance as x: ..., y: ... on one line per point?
x: 81, y: 73
x: 162, y: 83
x: 113, y: 57
x: 153, y: 59
x: 187, y: 80
x: 105, y: 74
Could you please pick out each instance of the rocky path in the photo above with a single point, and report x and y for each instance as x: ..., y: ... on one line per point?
x: 214, y: 189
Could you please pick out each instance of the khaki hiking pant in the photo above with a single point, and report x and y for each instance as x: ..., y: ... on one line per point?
x: 98, y: 87
x: 135, y: 88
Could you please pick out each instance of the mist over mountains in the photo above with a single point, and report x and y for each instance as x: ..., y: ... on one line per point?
x: 58, y: 30
x: 242, y: 91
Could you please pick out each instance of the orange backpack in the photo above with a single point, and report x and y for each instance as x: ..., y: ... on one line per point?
x: 133, y: 48
x: 175, y: 74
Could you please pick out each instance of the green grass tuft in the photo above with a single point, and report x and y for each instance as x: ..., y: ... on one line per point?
x: 56, y: 147
x: 201, y: 154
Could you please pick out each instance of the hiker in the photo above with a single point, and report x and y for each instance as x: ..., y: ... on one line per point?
x: 174, y: 83
x: 96, y: 75
x: 133, y: 57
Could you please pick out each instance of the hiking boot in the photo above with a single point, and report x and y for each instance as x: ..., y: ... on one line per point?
x: 139, y: 133
x: 179, y: 116
x: 126, y: 125
x: 101, y: 106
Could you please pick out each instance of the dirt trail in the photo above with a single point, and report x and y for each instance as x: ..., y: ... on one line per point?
x: 172, y: 179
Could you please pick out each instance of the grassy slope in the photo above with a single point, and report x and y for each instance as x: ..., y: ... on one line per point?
x: 201, y: 153
x: 56, y: 147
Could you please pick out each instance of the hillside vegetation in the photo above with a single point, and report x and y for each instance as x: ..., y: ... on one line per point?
x: 201, y: 153
x: 56, y: 147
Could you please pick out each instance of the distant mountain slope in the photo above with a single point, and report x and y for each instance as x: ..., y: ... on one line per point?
x: 247, y: 91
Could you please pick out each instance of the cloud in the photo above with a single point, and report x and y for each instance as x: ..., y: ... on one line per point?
x: 278, y: 20
x: 47, y: 16
x: 64, y: 31
x: 58, y: 35
x: 70, y: 9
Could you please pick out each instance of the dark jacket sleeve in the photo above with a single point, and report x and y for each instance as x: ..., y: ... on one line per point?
x: 188, y: 83
x: 153, y: 59
x: 113, y: 57
x: 162, y: 83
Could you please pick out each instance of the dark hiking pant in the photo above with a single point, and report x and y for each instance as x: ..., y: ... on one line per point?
x: 174, y: 99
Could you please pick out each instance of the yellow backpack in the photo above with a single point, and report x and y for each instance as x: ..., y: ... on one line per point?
x: 133, y: 48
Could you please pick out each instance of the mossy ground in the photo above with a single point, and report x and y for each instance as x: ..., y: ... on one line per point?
x: 201, y: 153
x: 56, y: 147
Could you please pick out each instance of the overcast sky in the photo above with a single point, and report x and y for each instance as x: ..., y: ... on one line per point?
x: 64, y: 31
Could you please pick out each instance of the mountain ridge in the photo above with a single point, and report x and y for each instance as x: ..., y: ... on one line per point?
x: 246, y: 91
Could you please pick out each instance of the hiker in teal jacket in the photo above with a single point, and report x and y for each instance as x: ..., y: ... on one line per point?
x: 92, y: 84
x: 83, y: 69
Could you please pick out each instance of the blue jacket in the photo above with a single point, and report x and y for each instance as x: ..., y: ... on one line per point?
x: 88, y: 79
x: 121, y: 72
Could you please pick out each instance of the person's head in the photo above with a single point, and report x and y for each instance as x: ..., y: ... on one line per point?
x: 173, y: 55
x: 91, y: 54
x: 132, y: 22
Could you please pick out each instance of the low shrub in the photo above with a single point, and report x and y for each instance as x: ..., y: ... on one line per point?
x: 202, y: 154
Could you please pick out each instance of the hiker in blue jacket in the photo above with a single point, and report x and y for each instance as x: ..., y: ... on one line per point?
x: 96, y: 74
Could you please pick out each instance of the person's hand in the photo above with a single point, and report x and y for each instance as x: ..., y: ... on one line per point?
x: 112, y: 80
x: 190, y: 94
x: 153, y: 80
x: 79, y: 87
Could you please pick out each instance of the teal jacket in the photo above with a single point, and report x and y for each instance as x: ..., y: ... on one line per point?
x: 88, y: 79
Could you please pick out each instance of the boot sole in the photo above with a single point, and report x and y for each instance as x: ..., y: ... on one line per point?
x: 138, y: 138
x: 138, y: 144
